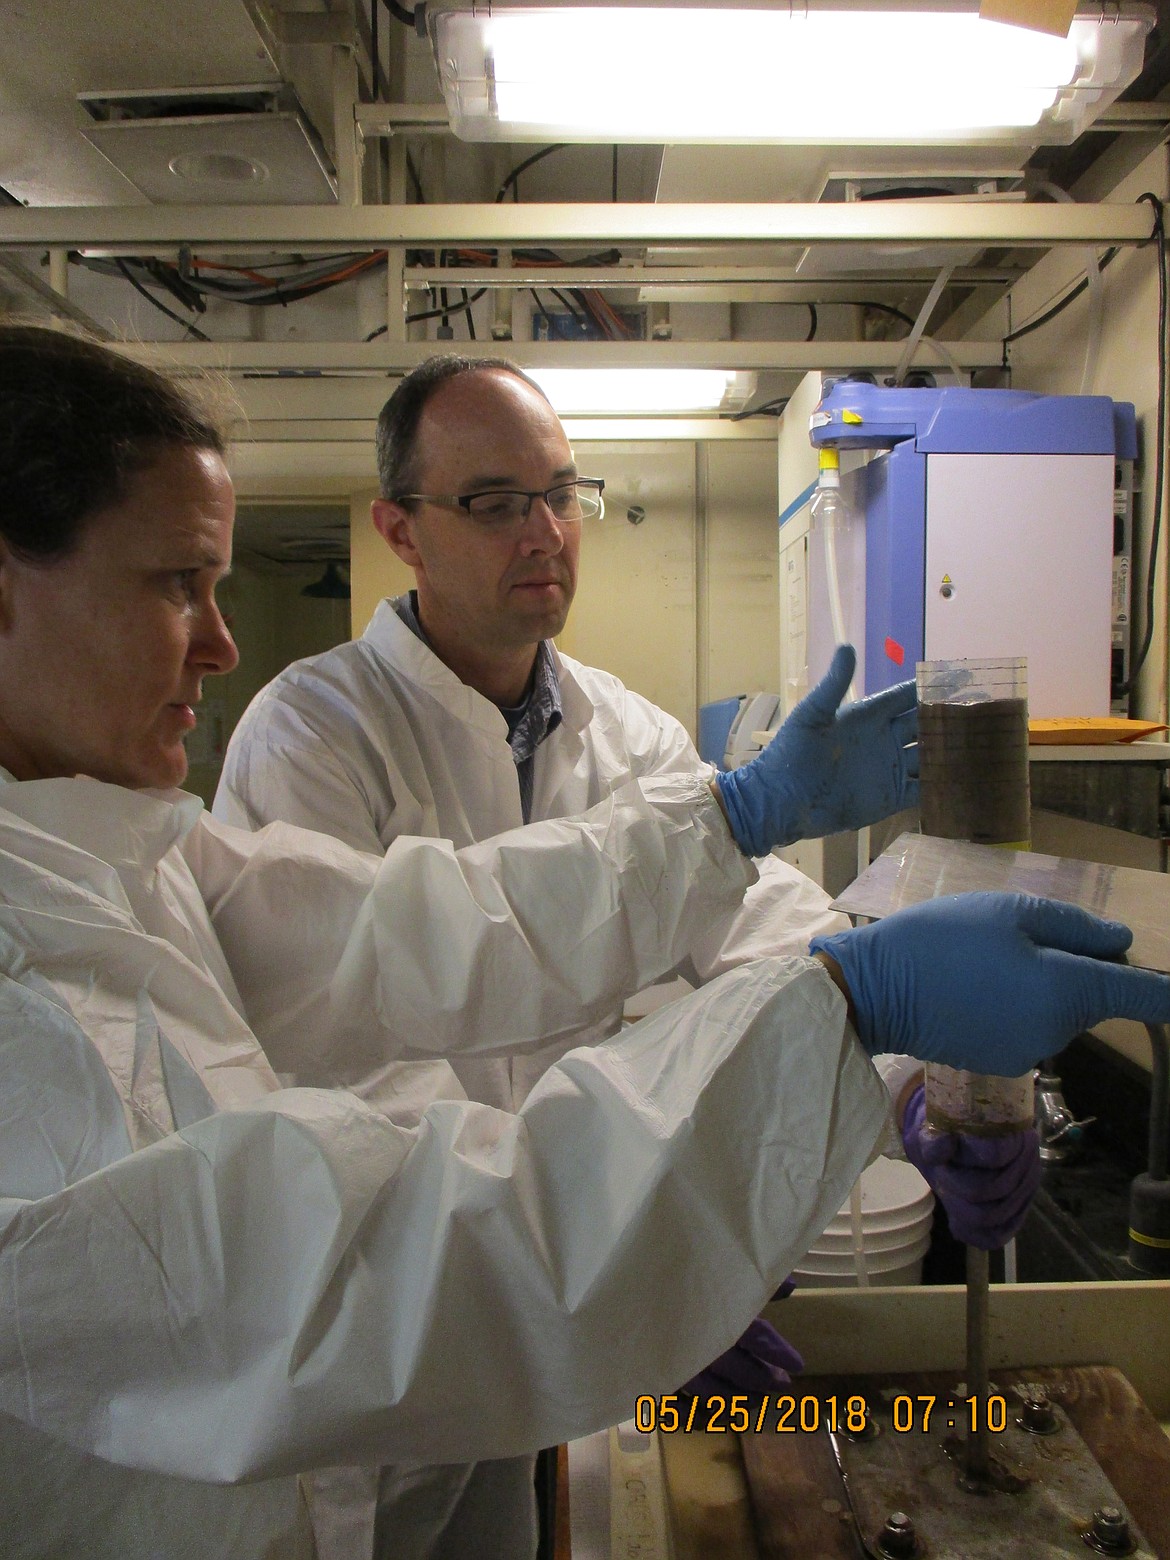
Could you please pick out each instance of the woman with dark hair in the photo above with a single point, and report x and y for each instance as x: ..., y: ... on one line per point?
x: 112, y: 478
x: 210, y: 1284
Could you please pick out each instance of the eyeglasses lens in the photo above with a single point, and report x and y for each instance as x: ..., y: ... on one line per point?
x: 571, y: 502
x: 498, y: 508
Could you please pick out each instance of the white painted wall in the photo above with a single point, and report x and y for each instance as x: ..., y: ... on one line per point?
x: 636, y: 604
x: 739, y: 624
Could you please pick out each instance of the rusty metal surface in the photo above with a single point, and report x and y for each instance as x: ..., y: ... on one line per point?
x: 1050, y: 1486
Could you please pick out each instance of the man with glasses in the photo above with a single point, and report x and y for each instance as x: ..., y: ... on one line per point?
x: 454, y: 716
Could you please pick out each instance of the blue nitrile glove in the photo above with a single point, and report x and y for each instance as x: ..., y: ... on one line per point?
x: 827, y: 769
x: 759, y: 1364
x: 986, y: 1184
x: 990, y: 982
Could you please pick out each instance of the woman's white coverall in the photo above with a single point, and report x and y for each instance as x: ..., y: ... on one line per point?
x: 206, y: 1278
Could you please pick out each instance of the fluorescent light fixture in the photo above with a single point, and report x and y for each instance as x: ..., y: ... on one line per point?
x: 679, y: 73
x: 611, y: 392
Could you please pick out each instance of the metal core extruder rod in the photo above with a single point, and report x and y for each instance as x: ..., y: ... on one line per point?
x: 977, y: 1457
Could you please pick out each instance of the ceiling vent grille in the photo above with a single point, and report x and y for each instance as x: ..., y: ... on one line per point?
x: 231, y: 145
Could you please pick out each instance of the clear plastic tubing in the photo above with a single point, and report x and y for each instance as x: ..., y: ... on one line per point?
x: 856, y: 1229
x: 827, y: 515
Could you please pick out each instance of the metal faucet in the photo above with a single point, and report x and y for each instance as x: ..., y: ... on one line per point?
x: 1060, y: 1133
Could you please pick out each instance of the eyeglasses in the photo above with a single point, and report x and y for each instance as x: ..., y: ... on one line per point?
x: 501, y: 507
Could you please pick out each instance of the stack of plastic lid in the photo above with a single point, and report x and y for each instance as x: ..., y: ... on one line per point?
x: 896, y: 1210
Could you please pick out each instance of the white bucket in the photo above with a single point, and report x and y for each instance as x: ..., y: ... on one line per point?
x: 890, y: 1188
x: 897, y: 1208
x: 833, y: 1241
x: 911, y: 1273
x: 827, y: 1264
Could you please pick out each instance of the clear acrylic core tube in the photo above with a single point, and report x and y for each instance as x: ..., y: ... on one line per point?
x: 973, y: 768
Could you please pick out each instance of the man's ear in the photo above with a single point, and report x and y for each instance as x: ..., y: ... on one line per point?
x: 395, y: 525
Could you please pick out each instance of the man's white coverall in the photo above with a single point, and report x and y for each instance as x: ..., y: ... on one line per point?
x: 377, y: 738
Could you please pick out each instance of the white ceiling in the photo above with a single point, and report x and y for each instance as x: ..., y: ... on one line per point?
x: 53, y: 51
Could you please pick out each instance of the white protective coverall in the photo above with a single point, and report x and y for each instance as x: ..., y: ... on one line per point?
x: 206, y: 1278
x: 379, y: 738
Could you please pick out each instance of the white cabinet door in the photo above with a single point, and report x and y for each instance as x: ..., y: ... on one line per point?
x: 1019, y: 553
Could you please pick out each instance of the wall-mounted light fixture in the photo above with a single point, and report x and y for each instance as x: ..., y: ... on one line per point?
x: 613, y: 392
x: 333, y: 584
x: 835, y: 71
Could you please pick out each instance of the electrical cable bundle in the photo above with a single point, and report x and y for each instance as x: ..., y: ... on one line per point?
x: 193, y: 281
x: 1159, y: 447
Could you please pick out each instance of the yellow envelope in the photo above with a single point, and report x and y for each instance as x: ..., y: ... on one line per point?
x: 1086, y: 729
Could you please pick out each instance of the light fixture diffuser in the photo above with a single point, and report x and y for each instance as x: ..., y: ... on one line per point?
x: 613, y: 392
x: 683, y: 73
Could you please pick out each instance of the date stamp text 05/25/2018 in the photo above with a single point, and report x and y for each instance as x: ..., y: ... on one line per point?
x: 788, y: 1414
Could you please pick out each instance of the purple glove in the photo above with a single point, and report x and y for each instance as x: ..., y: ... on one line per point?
x: 986, y: 1184
x: 760, y: 1363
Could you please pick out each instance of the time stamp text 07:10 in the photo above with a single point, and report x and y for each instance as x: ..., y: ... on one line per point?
x: 786, y: 1414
